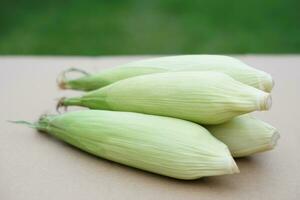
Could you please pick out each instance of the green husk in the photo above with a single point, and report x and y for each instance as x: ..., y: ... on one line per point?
x: 162, y: 145
x: 225, y: 64
x: 245, y: 135
x: 201, y: 97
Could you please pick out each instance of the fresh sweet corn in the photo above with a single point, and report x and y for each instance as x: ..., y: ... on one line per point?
x: 228, y: 65
x: 245, y: 135
x: 202, y: 97
x: 166, y: 146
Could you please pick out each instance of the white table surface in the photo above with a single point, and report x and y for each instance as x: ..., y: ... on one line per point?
x: 35, y: 166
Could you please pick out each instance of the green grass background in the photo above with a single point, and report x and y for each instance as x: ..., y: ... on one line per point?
x: 95, y: 27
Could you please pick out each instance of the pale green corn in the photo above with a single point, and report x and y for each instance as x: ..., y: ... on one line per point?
x: 245, y: 135
x: 202, y: 97
x: 162, y: 145
x: 231, y: 66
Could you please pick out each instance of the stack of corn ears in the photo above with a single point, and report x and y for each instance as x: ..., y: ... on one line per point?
x: 178, y: 116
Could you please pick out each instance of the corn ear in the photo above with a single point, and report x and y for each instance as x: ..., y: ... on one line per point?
x: 245, y: 135
x: 162, y: 145
x: 225, y: 64
x: 202, y: 97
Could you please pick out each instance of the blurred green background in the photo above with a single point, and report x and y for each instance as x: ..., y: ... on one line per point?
x: 95, y: 27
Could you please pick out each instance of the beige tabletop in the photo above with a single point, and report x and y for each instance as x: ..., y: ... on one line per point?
x: 37, y: 166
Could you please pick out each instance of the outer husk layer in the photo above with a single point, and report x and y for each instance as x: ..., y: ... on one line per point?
x: 202, y: 97
x: 225, y: 64
x: 166, y: 146
x: 245, y: 135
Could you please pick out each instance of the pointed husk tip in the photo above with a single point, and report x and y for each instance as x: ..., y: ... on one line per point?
x: 41, y: 124
x: 62, y: 85
x: 29, y: 124
x: 274, y: 139
x: 62, y: 80
x: 232, y: 166
x: 267, y: 83
x: 65, y: 102
x: 264, y: 101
